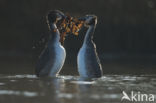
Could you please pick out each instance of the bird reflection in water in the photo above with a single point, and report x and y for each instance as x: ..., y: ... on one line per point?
x: 58, y: 89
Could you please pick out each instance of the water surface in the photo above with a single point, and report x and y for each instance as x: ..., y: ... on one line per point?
x: 70, y: 89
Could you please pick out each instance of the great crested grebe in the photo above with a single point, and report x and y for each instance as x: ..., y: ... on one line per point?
x: 53, y: 56
x: 89, y: 65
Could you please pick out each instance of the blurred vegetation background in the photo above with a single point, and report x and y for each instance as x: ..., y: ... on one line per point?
x: 126, y: 28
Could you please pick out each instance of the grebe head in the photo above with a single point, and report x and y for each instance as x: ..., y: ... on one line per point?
x: 54, y: 16
x: 90, y: 20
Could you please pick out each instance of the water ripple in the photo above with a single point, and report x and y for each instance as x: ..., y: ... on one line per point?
x: 12, y: 92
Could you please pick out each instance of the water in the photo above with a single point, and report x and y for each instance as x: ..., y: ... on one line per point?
x: 70, y: 89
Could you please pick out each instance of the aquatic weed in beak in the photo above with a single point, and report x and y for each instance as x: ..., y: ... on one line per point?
x: 69, y: 25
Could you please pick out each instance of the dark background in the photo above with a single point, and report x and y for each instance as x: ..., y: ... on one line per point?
x: 125, y: 35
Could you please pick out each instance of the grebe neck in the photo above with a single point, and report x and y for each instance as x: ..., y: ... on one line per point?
x: 89, y: 35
